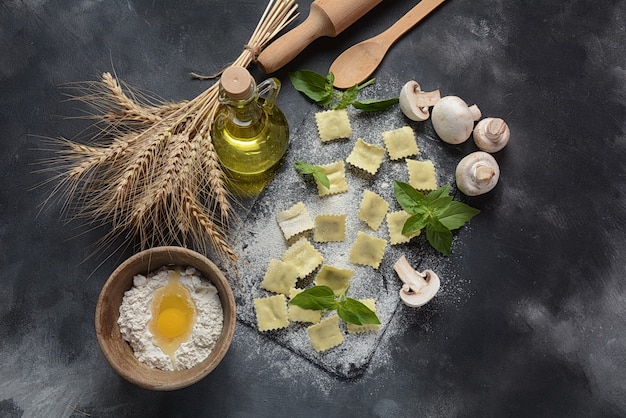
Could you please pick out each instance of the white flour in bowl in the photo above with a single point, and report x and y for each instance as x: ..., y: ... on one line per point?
x: 135, y: 314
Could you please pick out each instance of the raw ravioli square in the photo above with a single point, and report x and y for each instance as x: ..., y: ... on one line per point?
x: 303, y: 256
x: 280, y: 277
x: 366, y: 156
x: 271, y: 312
x: 336, y: 173
x: 298, y: 314
x: 334, y: 277
x: 333, y: 124
x: 367, y: 250
x: 326, y: 334
x: 395, y: 223
x: 294, y: 220
x: 373, y: 209
x: 400, y: 143
x: 330, y: 228
x: 422, y: 174
x: 356, y: 329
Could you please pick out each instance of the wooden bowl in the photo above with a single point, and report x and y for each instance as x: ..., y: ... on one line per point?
x: 119, y: 353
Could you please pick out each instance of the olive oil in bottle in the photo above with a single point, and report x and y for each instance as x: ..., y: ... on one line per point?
x: 250, y: 133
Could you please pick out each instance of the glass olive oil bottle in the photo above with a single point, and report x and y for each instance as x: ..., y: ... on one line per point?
x: 250, y: 133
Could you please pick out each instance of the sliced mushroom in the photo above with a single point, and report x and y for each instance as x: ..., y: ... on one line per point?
x: 453, y: 119
x: 491, y: 134
x: 477, y: 173
x: 415, y: 103
x: 418, y: 288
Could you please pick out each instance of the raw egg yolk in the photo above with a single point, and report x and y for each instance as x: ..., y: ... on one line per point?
x: 173, y: 316
x: 171, y: 323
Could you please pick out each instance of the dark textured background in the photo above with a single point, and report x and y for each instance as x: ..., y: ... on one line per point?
x: 541, y: 330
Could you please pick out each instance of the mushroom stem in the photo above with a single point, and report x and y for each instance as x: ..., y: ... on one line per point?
x: 411, y: 277
x: 476, y: 113
x: 483, y: 172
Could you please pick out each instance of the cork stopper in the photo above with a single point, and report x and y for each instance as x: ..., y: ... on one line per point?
x: 237, y: 82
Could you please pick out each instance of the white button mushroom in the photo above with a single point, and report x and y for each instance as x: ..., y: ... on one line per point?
x: 414, y: 102
x: 477, y: 173
x: 418, y: 288
x: 491, y: 134
x: 453, y: 119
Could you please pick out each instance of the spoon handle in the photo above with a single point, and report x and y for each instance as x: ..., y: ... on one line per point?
x: 410, y: 19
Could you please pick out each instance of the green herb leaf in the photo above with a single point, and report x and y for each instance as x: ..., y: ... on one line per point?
x: 313, y: 85
x: 439, y: 237
x: 415, y: 223
x: 410, y: 199
x: 323, y: 298
x: 435, y: 211
x: 316, y: 298
x: 456, y: 214
x: 317, y: 172
x: 355, y: 312
x: 320, y: 89
x: 373, y: 105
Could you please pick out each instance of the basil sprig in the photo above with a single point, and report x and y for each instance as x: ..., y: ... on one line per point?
x: 317, y: 172
x: 435, y: 211
x: 321, y: 298
x: 321, y: 91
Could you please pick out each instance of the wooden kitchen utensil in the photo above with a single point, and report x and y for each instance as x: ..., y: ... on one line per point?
x: 326, y: 18
x: 359, y: 61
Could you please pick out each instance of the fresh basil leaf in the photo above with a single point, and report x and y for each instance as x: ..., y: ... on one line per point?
x: 438, y: 193
x: 439, y: 237
x: 315, y: 298
x: 409, y: 199
x: 320, y: 176
x: 312, y: 85
x: 456, y: 214
x: 415, y: 223
x: 355, y: 312
x: 373, y: 105
x: 304, y: 167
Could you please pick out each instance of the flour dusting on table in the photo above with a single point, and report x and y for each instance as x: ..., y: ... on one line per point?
x: 260, y: 238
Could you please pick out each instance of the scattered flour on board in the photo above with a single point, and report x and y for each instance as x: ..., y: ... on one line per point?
x: 260, y: 239
x: 135, y: 314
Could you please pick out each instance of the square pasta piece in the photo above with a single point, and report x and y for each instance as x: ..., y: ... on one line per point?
x: 271, y: 312
x: 336, y: 173
x: 294, y: 220
x: 326, y: 334
x: 395, y: 223
x: 366, y: 156
x: 367, y: 250
x: 400, y: 143
x: 356, y: 329
x: 330, y: 228
x: 334, y: 277
x: 280, y: 277
x: 373, y: 209
x: 422, y: 174
x: 298, y: 314
x: 303, y: 256
x: 333, y: 124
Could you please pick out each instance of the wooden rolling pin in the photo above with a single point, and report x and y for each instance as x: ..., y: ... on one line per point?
x: 326, y: 18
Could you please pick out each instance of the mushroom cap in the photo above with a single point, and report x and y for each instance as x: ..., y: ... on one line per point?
x: 414, y: 102
x: 491, y: 134
x: 453, y: 120
x: 477, y: 173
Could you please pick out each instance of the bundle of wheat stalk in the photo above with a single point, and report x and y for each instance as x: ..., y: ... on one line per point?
x: 151, y: 171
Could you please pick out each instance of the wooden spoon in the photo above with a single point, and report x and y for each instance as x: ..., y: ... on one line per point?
x: 358, y: 62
